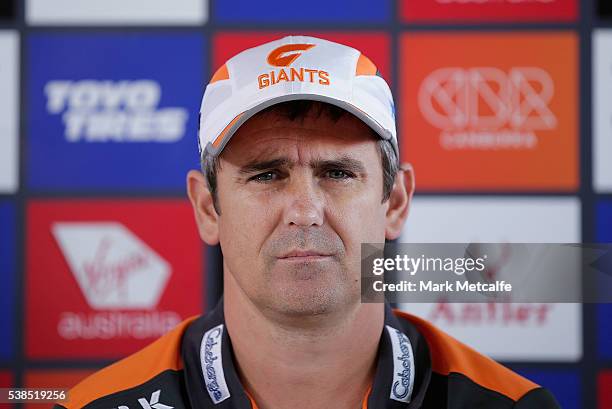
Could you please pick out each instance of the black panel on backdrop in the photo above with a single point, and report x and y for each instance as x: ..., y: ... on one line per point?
x: 605, y: 9
x: 7, y: 10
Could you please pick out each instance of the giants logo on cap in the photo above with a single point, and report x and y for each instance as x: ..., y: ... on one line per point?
x: 284, y: 56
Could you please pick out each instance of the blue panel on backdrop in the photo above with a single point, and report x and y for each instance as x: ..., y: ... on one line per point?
x: 565, y: 385
x: 113, y: 111
x: 314, y: 11
x: 7, y: 278
x: 604, y: 311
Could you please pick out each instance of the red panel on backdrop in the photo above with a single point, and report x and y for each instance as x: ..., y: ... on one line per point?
x: 64, y: 379
x: 375, y: 45
x: 604, y: 386
x: 104, y: 278
x: 491, y: 111
x: 6, y: 381
x: 488, y: 10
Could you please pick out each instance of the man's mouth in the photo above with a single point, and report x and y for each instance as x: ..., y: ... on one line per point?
x: 303, y: 255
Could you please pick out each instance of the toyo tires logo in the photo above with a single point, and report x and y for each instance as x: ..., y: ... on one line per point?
x: 114, y: 111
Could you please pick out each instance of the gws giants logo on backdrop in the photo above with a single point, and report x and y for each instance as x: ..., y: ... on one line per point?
x: 284, y: 56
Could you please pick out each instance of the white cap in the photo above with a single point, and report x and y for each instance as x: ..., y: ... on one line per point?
x: 294, y: 68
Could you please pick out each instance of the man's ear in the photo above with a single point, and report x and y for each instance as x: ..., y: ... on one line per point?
x: 399, y: 201
x: 201, y: 199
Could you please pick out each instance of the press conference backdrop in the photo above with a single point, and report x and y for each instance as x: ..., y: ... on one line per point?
x: 504, y: 109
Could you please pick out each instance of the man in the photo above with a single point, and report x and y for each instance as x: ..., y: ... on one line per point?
x: 300, y: 162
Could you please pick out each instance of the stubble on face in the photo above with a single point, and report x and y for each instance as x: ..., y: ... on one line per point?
x: 312, y: 287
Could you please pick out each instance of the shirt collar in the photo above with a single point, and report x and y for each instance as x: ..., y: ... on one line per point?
x: 402, y: 375
x: 403, y: 369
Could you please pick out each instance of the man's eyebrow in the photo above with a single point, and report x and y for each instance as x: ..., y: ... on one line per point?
x: 343, y: 162
x: 260, y: 165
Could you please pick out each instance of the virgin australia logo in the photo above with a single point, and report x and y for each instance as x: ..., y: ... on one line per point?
x: 212, y: 364
x: 114, y: 268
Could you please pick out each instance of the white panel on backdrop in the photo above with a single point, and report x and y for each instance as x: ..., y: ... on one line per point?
x: 512, y: 332
x: 602, y: 110
x: 116, y: 12
x: 9, y: 107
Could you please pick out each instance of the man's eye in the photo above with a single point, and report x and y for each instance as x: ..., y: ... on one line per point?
x: 264, y: 177
x: 338, y: 174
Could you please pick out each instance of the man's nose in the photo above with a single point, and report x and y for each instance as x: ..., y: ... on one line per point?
x: 304, y: 202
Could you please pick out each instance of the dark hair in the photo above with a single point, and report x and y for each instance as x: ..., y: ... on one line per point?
x: 298, y: 110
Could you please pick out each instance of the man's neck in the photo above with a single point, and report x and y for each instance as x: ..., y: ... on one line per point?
x: 285, y: 366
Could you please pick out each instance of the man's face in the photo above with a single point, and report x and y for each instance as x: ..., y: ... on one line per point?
x: 296, y: 200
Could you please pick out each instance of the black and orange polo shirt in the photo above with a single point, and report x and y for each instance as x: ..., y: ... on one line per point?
x: 418, y: 366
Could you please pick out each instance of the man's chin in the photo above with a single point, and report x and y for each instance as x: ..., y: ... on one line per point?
x: 298, y: 269
x: 305, y: 300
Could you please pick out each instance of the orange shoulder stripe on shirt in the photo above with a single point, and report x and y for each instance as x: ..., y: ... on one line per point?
x: 253, y: 403
x: 364, y: 402
x: 449, y: 355
x: 136, y: 369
